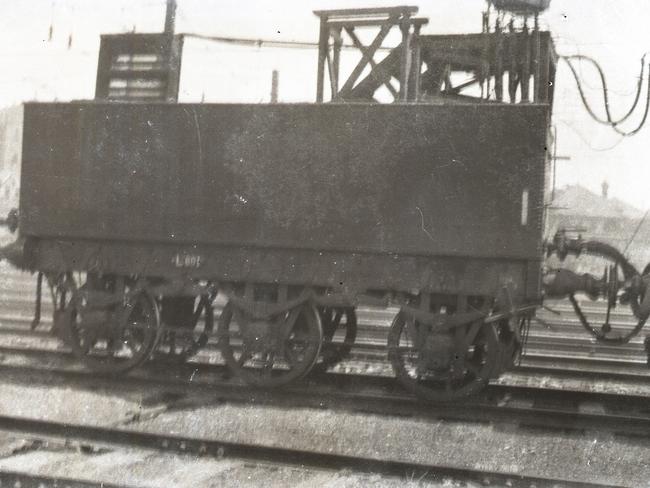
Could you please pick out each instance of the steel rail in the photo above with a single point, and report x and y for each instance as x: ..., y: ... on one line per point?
x: 112, y: 436
x: 371, y: 330
x: 503, y: 403
x: 576, y: 359
x: 15, y: 479
x: 550, y: 361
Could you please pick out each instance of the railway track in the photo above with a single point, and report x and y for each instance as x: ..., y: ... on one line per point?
x: 275, y: 455
x: 27, y: 480
x: 523, y: 407
x: 556, y: 343
x: 563, y: 349
x: 530, y: 404
x: 35, y: 357
x: 370, y: 357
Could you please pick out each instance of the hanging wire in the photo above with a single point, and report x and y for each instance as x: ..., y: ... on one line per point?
x: 268, y: 42
x: 577, y: 46
x: 581, y: 57
x: 252, y: 42
x: 588, y: 143
x: 636, y: 231
x: 609, y: 121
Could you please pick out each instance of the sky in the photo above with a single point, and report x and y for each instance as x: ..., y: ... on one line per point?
x: 36, y: 67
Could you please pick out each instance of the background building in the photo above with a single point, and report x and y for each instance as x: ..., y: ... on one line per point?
x: 601, y: 218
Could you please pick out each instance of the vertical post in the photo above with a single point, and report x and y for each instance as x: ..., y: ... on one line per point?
x: 405, y: 64
x: 498, y: 60
x: 323, y: 42
x: 541, y: 66
x: 550, y: 86
x: 537, y: 63
x: 486, y: 66
x: 171, y: 52
x: 513, y: 72
x: 174, y: 58
x: 274, y: 86
x: 170, y: 18
x: 544, y: 71
x: 554, y: 163
x: 486, y: 19
x: 336, y: 62
x: 525, y: 65
x: 416, y: 65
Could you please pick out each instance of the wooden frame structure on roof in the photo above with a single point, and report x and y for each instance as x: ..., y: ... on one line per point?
x: 399, y: 64
x: 506, y: 65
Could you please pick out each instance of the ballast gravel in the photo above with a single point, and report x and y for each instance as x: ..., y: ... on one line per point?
x: 493, y: 448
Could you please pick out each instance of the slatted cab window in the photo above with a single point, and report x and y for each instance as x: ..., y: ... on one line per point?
x: 137, y: 62
x: 138, y: 67
x: 137, y: 89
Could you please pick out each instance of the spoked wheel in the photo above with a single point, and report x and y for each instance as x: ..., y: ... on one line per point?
x: 188, y: 323
x: 605, y: 333
x: 442, y: 367
x: 271, y: 352
x: 336, y: 347
x: 112, y: 330
x: 620, y: 284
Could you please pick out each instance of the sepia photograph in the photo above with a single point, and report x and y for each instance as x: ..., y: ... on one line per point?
x: 324, y: 243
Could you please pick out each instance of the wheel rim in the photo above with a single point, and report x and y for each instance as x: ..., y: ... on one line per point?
x: 481, y: 358
x: 276, y: 359
x: 112, y: 339
x: 608, y: 336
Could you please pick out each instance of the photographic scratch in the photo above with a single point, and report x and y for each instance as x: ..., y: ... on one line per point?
x: 422, y: 224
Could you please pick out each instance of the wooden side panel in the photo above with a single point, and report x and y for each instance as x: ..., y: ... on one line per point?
x: 462, y: 180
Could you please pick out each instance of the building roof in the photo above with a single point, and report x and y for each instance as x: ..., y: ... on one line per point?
x: 577, y: 200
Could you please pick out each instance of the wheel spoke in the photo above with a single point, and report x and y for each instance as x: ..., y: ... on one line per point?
x: 245, y: 356
x: 436, y: 382
x: 337, y: 319
x: 116, y: 337
x: 268, y: 364
x: 293, y: 341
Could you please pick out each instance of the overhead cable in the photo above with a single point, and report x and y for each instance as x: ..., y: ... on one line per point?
x: 267, y: 42
x: 603, y: 81
x: 609, y: 121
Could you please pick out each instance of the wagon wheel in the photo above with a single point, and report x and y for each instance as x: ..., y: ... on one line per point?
x: 333, y: 319
x: 617, y: 283
x: 604, y: 333
x: 112, y: 332
x: 187, y: 334
x: 272, y: 352
x: 473, y: 360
